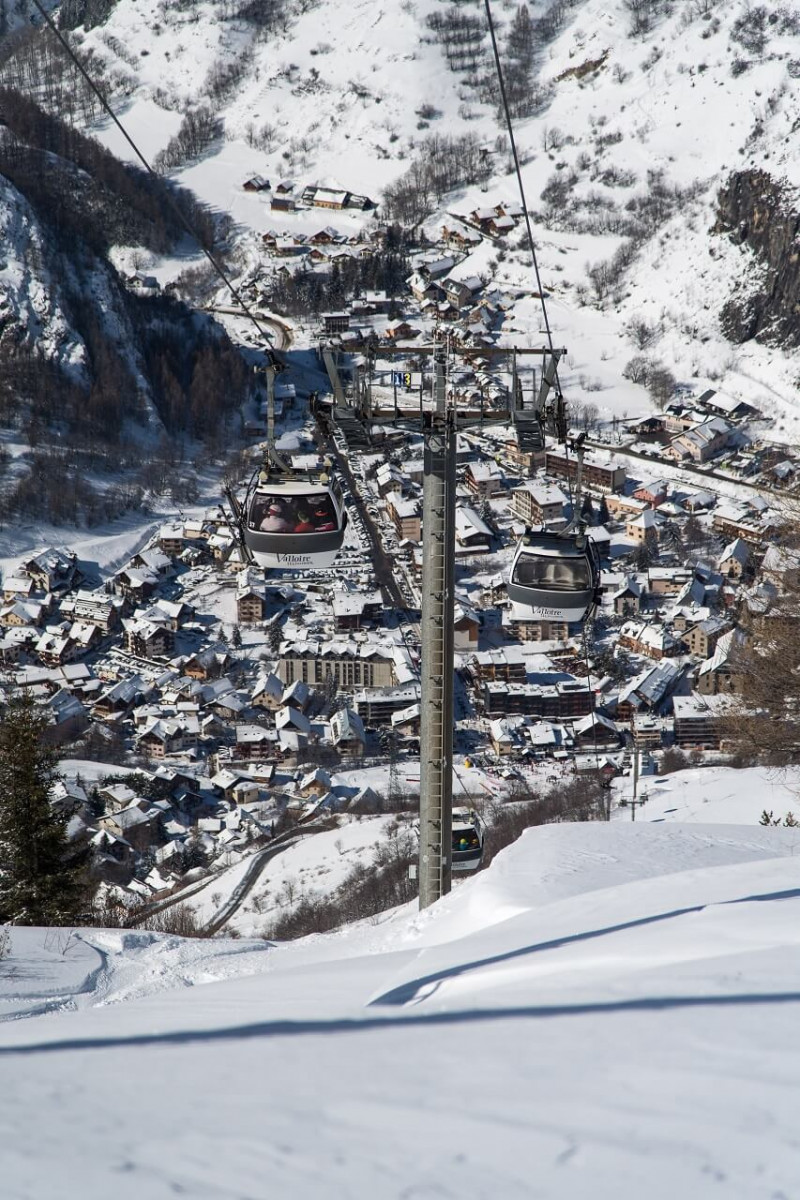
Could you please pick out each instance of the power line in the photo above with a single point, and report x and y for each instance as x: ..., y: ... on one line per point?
x: 184, y: 220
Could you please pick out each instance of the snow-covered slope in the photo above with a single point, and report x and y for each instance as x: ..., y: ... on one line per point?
x: 609, y: 1011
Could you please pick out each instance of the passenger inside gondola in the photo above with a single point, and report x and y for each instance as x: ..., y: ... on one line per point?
x: 560, y: 574
x: 324, y: 516
x: 466, y: 841
x: 276, y: 516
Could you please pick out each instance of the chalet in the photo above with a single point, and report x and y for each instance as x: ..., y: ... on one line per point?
x: 253, y: 742
x: 484, y: 479
x: 293, y: 729
x: 268, y: 693
x: 170, y: 540
x: 473, y: 535
x: 51, y: 570
x: 161, y: 738
x: 652, y: 640
x: 648, y: 690
x: 53, y: 650
x: 297, y: 695
x: 538, y: 503
x: 700, y: 443
x: 329, y: 198
x: 653, y: 493
x: 500, y: 226
x: 206, y: 664
x: 460, y: 292
x: 251, y: 597
x: 405, y: 516
x: 155, y: 561
x: 483, y: 218
x: 11, y: 648
x: 315, y: 784
x: 703, y: 637
x: 98, y: 608
x: 136, y: 585
x: 502, y: 737
x: 400, y: 331
x: 139, y: 827
x: 351, y: 609
x: 172, y: 614
x: 372, y: 303
x: 148, y: 639
x: 423, y: 288
x: 21, y: 613
x: 437, y: 268
x: 466, y: 628
x: 627, y: 600
x: 651, y: 426
x: 406, y: 721
x: 116, y: 796
x: 67, y: 717
x: 738, y: 522
x: 644, y: 528
x: 509, y: 208
x: 719, y: 674
x: 460, y: 237
x: 256, y: 183
x: 17, y: 587
x: 362, y: 203
x: 595, y: 730
x: 282, y: 203
x: 120, y: 698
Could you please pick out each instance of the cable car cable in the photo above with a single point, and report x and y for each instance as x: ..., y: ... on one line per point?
x: 184, y: 220
x: 518, y: 171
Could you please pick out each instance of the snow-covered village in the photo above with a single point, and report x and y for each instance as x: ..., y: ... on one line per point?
x: 399, y: 533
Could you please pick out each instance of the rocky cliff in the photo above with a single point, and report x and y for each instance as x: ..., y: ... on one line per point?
x: 763, y: 214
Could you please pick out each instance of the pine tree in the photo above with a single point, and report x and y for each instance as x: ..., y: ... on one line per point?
x: 43, y: 878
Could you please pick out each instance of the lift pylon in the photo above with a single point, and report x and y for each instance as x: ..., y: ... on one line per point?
x: 436, y: 629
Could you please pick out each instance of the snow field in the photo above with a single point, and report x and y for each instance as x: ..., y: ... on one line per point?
x: 586, y: 1018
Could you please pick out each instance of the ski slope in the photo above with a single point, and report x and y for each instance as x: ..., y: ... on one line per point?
x: 608, y: 1011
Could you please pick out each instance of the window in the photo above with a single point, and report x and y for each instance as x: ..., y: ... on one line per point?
x: 312, y: 512
x: 553, y: 574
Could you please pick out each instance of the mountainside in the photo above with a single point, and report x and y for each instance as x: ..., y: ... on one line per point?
x: 632, y: 116
x: 638, y: 122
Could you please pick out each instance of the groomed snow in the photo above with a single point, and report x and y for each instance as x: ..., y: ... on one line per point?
x: 608, y: 1011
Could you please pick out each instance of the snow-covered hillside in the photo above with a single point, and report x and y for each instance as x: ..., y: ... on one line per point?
x: 642, y: 112
x: 608, y: 1011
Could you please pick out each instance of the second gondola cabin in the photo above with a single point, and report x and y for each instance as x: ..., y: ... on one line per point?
x: 555, y: 576
x: 295, y: 521
x: 467, y: 845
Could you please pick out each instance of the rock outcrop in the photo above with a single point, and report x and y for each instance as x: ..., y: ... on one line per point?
x: 760, y: 212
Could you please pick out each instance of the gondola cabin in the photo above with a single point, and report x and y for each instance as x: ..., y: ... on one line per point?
x: 295, y: 522
x: 467, y: 840
x: 555, y: 576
